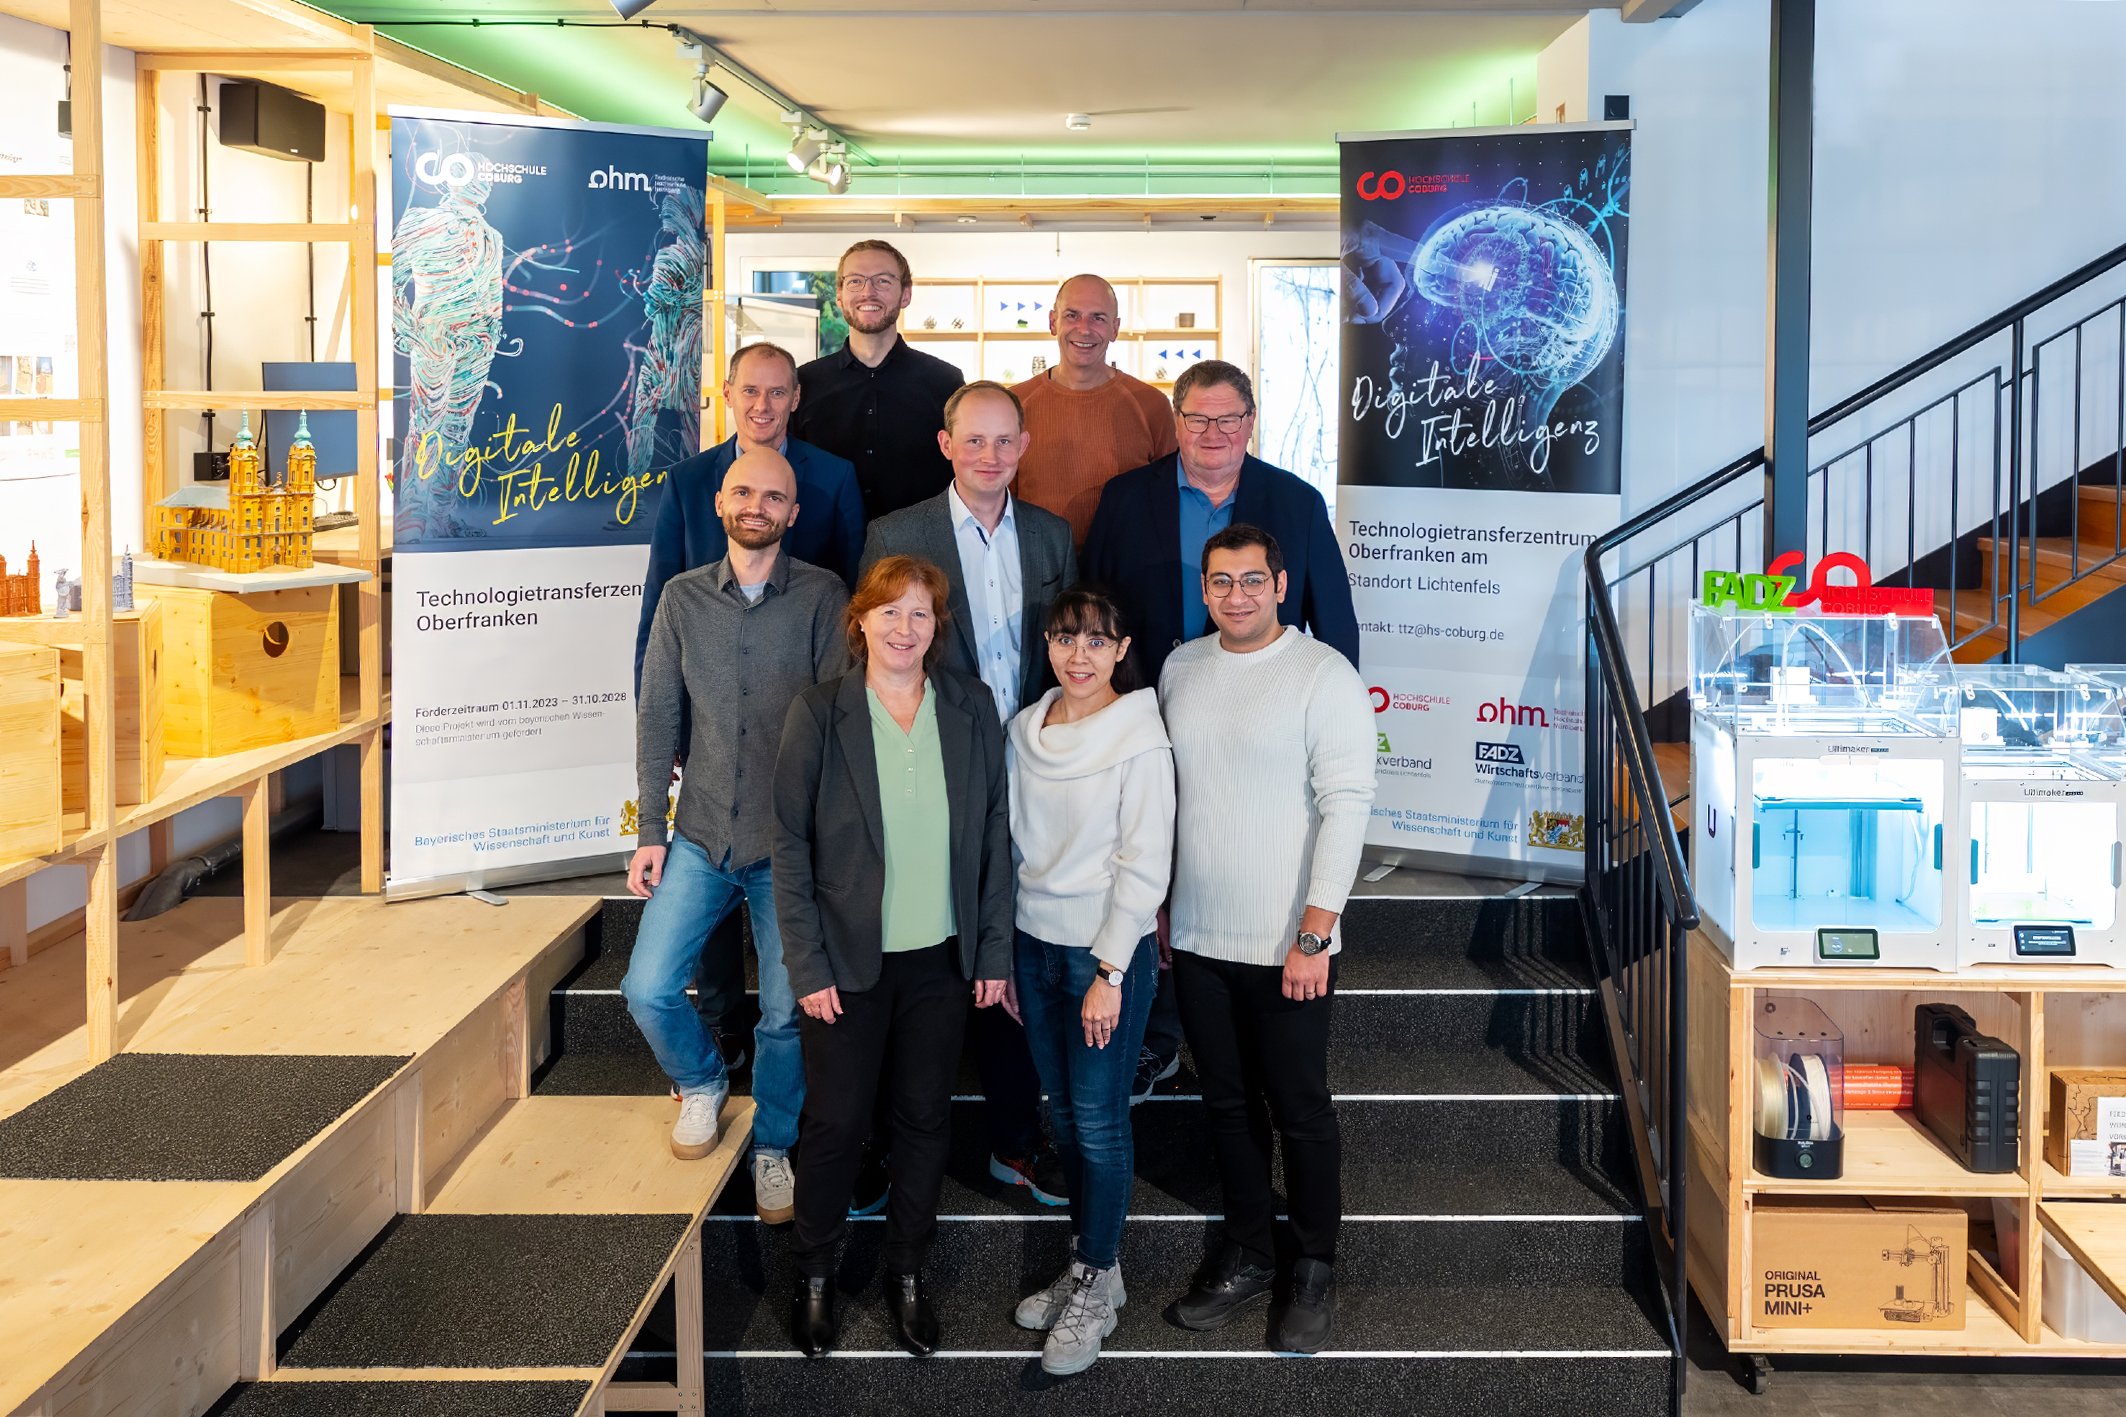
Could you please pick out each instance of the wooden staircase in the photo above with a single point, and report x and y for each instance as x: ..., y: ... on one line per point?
x: 2054, y: 563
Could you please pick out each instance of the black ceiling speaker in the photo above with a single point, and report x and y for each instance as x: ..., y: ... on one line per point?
x: 260, y: 118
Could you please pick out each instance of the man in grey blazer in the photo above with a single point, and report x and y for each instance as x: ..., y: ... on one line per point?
x: 1006, y: 560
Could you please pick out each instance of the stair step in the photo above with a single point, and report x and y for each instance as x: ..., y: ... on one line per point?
x: 1975, y: 609
x: 1488, y: 1042
x: 1456, y: 1285
x: 505, y: 1397
x: 2064, y: 555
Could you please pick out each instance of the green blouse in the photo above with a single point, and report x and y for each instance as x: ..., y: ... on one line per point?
x: 917, y: 910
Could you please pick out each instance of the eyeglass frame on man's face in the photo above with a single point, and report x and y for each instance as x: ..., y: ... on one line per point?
x: 885, y: 283
x: 1253, y: 584
x: 1228, y: 423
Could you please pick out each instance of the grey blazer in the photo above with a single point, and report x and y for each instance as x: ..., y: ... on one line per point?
x: 829, y: 847
x: 1047, y: 564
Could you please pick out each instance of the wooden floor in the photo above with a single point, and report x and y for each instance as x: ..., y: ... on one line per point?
x: 112, y: 1291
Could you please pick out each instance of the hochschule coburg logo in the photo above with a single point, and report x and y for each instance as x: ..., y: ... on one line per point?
x: 439, y: 171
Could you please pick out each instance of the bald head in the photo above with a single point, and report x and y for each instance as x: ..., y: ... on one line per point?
x: 758, y: 501
x: 1088, y: 288
x: 1084, y: 319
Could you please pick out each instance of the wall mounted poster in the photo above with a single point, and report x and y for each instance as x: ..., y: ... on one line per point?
x: 546, y: 299
x: 1482, y: 387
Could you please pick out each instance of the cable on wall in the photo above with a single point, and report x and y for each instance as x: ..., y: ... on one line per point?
x: 206, y: 262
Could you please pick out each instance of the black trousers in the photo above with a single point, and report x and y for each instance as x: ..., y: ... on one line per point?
x: 1011, y: 1086
x: 908, y: 1026
x: 1162, y: 1029
x: 720, y: 978
x: 1264, y: 1062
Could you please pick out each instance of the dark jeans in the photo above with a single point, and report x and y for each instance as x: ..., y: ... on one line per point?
x: 1011, y: 1088
x: 1264, y: 1060
x: 913, y: 1017
x: 1088, y: 1088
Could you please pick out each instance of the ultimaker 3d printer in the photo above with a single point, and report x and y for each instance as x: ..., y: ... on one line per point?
x: 1825, y: 771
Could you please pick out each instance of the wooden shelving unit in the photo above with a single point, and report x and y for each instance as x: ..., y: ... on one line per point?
x: 981, y: 327
x: 2056, y: 1016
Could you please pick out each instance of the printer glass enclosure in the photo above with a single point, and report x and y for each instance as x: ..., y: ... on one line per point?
x: 2041, y: 852
x: 1799, y: 1063
x: 1824, y: 761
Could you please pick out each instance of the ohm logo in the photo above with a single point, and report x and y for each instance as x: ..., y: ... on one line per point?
x: 440, y: 171
x: 625, y: 181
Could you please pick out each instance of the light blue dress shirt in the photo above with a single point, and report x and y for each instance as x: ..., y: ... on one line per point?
x: 996, y: 596
x: 1200, y: 521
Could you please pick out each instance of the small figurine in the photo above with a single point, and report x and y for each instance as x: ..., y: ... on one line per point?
x: 122, y: 583
x: 21, y: 594
x: 59, y: 597
x: 957, y: 322
x: 930, y: 322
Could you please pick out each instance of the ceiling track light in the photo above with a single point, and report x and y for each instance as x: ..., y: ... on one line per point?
x: 803, y: 149
x: 628, y: 9
x: 708, y: 99
x: 1078, y: 122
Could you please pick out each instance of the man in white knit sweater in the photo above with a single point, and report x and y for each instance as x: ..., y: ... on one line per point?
x: 1273, y: 764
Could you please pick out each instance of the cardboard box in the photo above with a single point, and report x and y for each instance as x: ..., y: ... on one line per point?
x: 2071, y: 1116
x: 29, y: 751
x: 1840, y: 1262
x: 136, y: 673
x: 248, y: 671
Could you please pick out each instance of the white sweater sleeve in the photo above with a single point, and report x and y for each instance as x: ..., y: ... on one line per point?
x: 1340, y: 744
x: 1144, y: 856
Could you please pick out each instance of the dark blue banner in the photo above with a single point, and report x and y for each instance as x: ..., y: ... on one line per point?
x: 546, y: 289
x: 1484, y: 309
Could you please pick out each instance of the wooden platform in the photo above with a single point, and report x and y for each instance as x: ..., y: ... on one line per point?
x: 153, y: 1296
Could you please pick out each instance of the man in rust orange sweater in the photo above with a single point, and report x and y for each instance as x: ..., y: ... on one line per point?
x: 1089, y: 420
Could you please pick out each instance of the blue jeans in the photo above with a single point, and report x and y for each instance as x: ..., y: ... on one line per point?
x: 1088, y: 1088
x: 687, y: 905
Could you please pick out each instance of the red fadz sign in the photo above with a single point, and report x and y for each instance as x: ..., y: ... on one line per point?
x: 1863, y: 597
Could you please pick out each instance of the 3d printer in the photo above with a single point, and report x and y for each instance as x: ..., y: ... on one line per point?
x: 1825, y: 769
x: 2040, y: 855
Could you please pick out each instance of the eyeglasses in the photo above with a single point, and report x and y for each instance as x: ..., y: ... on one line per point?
x: 1253, y: 584
x: 884, y: 284
x: 1091, y: 644
x: 1227, y: 422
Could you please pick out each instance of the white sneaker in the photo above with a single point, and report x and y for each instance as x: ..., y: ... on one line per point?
x: 694, y: 1134
x: 1039, y: 1312
x: 1074, y: 1343
x: 774, y: 1189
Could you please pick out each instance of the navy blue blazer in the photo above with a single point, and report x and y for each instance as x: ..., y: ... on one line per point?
x: 1134, y: 549
x: 829, y: 532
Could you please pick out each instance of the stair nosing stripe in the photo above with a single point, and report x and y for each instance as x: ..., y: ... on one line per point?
x: 1593, y: 1218
x: 1574, y: 992
x: 1021, y: 1354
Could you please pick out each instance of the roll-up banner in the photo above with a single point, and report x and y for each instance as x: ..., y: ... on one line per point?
x: 546, y: 297
x: 1483, y: 387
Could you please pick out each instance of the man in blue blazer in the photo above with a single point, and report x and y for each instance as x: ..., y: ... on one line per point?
x: 761, y: 390
x: 1146, y: 545
x: 1146, y: 542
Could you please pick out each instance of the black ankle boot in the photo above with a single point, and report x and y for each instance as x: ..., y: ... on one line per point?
x: 913, y: 1318
x: 814, y: 1324
x: 1221, y: 1293
x: 1312, y: 1312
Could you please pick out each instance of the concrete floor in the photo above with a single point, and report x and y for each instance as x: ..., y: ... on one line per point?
x: 328, y: 863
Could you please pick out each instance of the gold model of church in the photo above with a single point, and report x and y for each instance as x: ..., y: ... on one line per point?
x: 250, y: 524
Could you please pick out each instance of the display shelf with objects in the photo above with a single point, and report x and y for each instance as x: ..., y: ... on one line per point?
x: 984, y: 324
x: 1960, y: 1033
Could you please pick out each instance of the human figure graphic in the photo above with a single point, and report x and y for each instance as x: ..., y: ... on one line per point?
x: 670, y: 373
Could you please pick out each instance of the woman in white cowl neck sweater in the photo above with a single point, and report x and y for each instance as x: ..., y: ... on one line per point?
x: 1092, y: 835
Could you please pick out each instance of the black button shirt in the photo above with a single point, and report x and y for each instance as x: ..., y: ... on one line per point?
x: 884, y: 420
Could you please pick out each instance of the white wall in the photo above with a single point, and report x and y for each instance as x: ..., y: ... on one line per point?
x: 1561, y: 76
x: 1967, y: 153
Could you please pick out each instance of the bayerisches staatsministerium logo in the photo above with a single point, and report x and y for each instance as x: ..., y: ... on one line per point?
x: 1560, y: 831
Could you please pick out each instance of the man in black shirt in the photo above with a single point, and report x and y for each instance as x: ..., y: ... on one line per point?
x: 877, y: 401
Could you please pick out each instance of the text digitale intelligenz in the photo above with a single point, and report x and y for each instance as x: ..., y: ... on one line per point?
x: 1502, y: 423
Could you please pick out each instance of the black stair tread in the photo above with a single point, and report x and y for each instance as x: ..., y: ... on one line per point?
x: 513, y: 1397
x: 1522, y: 1286
x: 1539, y: 1387
x: 1378, y: 1043
x: 486, y: 1291
x: 1389, y: 944
x: 1517, y: 1157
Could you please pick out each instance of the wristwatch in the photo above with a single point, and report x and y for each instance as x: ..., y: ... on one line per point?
x: 1108, y: 972
x: 1311, y: 944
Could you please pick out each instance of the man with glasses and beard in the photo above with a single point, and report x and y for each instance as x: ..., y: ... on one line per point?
x: 877, y: 401
x: 1146, y: 543
x: 740, y: 638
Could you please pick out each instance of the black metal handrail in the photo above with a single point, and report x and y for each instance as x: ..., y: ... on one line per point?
x: 1638, y: 893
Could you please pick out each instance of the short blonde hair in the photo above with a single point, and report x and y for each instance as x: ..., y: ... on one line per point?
x: 907, y: 276
x: 887, y: 581
x: 982, y: 386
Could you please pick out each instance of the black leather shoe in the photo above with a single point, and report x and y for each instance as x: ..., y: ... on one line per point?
x: 1312, y: 1312
x: 1221, y: 1293
x: 814, y: 1324
x: 913, y: 1318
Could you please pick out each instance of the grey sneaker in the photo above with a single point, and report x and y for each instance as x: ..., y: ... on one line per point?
x: 1074, y: 1343
x: 1039, y: 1312
x: 774, y: 1189
x: 694, y: 1134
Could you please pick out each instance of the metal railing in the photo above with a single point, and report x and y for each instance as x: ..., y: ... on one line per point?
x: 1979, y: 477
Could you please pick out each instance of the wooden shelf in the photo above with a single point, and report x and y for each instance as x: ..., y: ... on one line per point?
x: 2094, y: 1233
x: 187, y: 782
x: 147, y: 571
x: 1890, y: 1154
x: 1985, y: 1334
x: 2056, y: 1184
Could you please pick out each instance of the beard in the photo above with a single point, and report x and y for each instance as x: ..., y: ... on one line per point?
x: 752, y: 539
x: 886, y: 321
